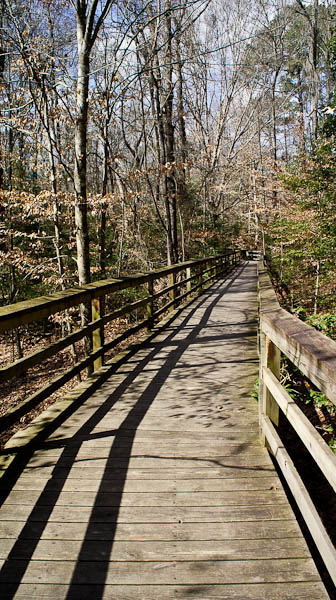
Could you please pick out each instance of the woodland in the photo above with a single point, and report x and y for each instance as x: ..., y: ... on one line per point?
x: 136, y: 134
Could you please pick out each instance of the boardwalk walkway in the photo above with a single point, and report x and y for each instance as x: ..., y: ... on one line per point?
x: 157, y: 486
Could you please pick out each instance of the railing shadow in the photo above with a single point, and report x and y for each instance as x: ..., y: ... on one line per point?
x: 86, y: 569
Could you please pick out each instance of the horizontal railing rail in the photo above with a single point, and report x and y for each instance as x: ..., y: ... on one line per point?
x: 315, y: 356
x: 183, y: 280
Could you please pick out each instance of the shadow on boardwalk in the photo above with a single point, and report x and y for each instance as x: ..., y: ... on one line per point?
x: 116, y: 468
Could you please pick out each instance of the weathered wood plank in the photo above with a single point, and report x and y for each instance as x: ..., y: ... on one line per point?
x: 311, y: 351
x: 148, y: 499
x: 254, y: 591
x: 148, y: 450
x: 320, y: 451
x: 191, y: 514
x: 179, y: 501
x: 149, y: 462
x: 164, y: 572
x: 27, y: 311
x: 145, y: 551
x: 32, y: 482
x: 99, y: 435
x: 302, y: 498
x: 207, y: 472
x: 237, y: 530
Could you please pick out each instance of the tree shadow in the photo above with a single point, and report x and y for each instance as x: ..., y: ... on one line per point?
x: 116, y: 466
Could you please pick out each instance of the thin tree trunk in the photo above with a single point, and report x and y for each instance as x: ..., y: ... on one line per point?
x: 82, y: 237
x: 302, y: 145
x: 317, y: 285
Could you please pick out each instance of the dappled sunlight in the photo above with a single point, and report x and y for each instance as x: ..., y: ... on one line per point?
x: 167, y: 444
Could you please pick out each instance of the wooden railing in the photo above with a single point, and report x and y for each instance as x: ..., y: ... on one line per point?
x: 315, y: 356
x: 184, y: 280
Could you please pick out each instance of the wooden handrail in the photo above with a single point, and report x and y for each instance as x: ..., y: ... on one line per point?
x: 206, y: 270
x: 315, y: 355
x: 22, y: 313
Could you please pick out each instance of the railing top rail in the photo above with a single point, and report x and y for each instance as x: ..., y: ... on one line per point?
x: 310, y: 350
x: 22, y: 313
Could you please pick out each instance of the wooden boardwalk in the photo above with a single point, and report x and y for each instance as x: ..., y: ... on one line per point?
x: 157, y: 486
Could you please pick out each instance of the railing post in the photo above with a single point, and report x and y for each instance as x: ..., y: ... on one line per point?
x: 200, y: 277
x: 97, y: 334
x: 269, y: 357
x: 220, y: 267
x: 215, y: 268
x: 172, y: 293
x: 208, y: 268
x: 226, y: 263
x: 150, y: 305
x: 188, y: 275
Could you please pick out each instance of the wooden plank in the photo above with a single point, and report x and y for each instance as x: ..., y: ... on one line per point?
x: 22, y: 365
x: 117, y: 473
x: 320, y: 451
x: 237, y: 530
x: 188, y: 280
x: 71, y: 484
x: 254, y: 591
x: 190, y: 514
x: 44, y: 422
x: 101, y: 436
x: 267, y: 297
x: 27, y: 311
x: 148, y: 499
x: 198, y: 508
x: 164, y: 572
x: 194, y: 423
x: 151, y: 463
x: 173, y: 446
x: 303, y: 500
x: 145, y: 551
x: 146, y: 450
x: 272, y: 362
x: 98, y: 333
x: 311, y: 351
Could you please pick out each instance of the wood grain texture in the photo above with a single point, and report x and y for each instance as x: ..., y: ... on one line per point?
x: 254, y: 591
x: 157, y: 486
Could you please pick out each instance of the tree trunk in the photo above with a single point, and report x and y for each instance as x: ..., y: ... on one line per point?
x: 82, y: 236
x: 167, y: 110
x: 302, y: 142
x: 314, y: 65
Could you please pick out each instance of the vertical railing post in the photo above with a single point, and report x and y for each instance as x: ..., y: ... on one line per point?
x: 220, y: 267
x: 150, y: 305
x: 188, y: 275
x: 272, y: 356
x: 200, y: 277
x: 97, y: 334
x: 208, y: 268
x: 172, y: 292
x: 269, y: 357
